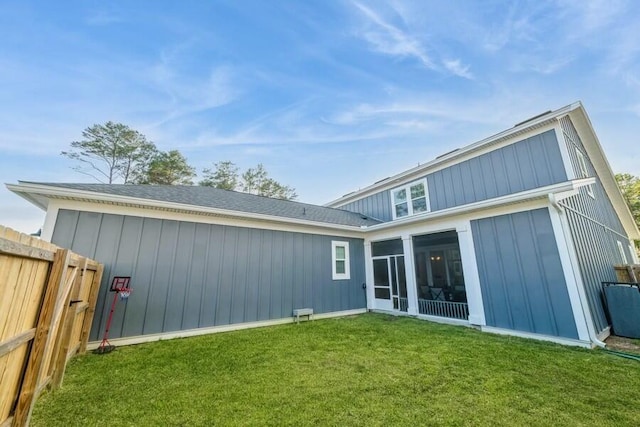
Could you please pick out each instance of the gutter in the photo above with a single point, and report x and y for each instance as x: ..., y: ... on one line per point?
x: 584, y: 303
x: 562, y: 190
x: 51, y: 192
x: 526, y: 126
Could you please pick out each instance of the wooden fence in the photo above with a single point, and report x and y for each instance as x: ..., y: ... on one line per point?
x: 47, y: 301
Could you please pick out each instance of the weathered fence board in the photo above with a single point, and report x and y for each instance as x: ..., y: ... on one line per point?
x: 46, y: 309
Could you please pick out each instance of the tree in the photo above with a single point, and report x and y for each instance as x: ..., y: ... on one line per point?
x: 253, y: 180
x: 166, y: 168
x: 224, y: 176
x: 630, y: 188
x: 111, y: 152
x: 257, y: 181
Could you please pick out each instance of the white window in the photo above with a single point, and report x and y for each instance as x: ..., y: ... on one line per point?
x: 634, y: 254
x: 410, y: 199
x: 622, y: 254
x: 584, y: 171
x: 340, y: 260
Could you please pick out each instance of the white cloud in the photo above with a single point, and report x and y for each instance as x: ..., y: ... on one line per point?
x: 391, y: 40
x: 456, y: 67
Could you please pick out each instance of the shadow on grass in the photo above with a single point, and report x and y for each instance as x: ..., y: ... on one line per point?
x: 361, y: 370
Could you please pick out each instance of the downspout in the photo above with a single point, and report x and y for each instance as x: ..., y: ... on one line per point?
x: 593, y: 336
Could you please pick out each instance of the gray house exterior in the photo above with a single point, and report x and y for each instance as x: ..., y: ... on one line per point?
x: 512, y: 234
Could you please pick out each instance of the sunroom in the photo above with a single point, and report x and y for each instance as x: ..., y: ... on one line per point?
x: 431, y: 284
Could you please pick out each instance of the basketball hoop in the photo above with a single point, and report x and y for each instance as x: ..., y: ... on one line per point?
x: 120, y: 286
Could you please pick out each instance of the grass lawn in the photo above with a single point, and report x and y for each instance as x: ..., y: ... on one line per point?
x: 364, y: 370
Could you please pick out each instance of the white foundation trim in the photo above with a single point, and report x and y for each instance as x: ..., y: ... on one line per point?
x: 435, y: 319
x: 539, y: 337
x: 605, y: 333
x: 444, y: 320
x: 139, y: 339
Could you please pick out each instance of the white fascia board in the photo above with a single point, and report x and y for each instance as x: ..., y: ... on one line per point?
x: 174, y: 215
x: 538, y: 193
x: 34, y: 199
x: 547, y: 121
x: 592, y: 145
x: 51, y: 192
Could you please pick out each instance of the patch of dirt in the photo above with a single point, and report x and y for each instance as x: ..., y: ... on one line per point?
x: 627, y: 345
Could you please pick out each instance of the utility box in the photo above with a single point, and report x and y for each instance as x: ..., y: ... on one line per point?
x: 623, y: 304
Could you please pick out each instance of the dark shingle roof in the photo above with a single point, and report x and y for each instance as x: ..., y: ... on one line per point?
x: 224, y: 199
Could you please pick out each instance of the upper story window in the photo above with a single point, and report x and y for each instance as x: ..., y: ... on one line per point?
x: 410, y: 199
x: 623, y: 255
x: 584, y: 172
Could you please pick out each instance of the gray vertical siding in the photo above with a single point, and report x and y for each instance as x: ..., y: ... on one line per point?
x: 527, y: 164
x: 376, y: 206
x: 521, y: 278
x: 530, y: 163
x: 187, y: 275
x: 595, y: 229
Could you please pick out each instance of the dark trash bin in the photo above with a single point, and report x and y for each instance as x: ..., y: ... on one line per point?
x: 623, y: 304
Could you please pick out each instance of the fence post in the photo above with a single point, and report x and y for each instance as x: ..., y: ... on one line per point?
x: 42, y: 340
x: 66, y: 328
x: 88, y: 316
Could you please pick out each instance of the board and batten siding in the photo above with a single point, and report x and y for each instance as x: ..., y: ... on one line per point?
x: 189, y: 275
x: 376, y: 206
x: 595, y: 229
x: 521, y: 278
x: 530, y: 163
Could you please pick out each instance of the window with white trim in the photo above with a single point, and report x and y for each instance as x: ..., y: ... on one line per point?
x: 340, y: 269
x: 584, y: 171
x: 623, y: 255
x: 634, y: 254
x: 410, y: 199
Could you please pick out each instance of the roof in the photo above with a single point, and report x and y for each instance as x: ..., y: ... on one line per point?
x: 583, y: 125
x: 455, y: 156
x: 39, y: 193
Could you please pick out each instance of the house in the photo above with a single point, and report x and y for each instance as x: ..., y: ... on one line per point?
x: 512, y: 234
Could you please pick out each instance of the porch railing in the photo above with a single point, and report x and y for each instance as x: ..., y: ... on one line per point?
x: 453, y: 310
x: 404, y: 304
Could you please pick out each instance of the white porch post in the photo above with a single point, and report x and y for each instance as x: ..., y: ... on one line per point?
x: 471, y: 276
x: 49, y: 222
x: 410, y: 274
x: 368, y: 272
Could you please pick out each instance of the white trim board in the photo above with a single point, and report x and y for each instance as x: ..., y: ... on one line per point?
x: 139, y: 339
x: 581, y: 314
x: 191, y: 217
x: 538, y: 337
x: 484, y: 206
x: 503, y: 139
x: 52, y: 193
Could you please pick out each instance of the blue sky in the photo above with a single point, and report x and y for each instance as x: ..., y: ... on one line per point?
x: 329, y: 95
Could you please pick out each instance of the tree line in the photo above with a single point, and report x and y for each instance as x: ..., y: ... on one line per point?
x: 115, y: 153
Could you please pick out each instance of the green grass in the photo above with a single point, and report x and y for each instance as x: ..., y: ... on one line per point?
x: 364, y: 370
